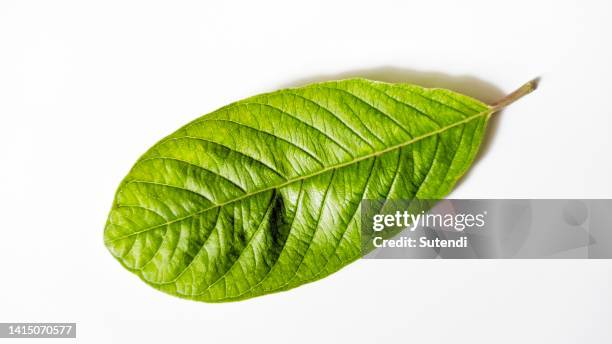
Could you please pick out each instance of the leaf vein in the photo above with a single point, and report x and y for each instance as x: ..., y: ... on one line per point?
x: 324, y: 170
x: 338, y: 118
x: 307, y: 124
x: 362, y: 100
x: 302, y: 149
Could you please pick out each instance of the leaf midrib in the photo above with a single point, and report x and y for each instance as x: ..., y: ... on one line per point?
x: 488, y: 111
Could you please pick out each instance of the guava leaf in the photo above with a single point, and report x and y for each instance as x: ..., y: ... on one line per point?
x: 263, y: 195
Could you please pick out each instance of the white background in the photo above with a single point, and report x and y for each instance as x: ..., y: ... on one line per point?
x: 86, y: 87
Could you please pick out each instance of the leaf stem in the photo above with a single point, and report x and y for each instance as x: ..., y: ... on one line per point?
x: 516, y: 95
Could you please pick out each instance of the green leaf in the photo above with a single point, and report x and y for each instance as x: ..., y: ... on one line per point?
x: 263, y: 195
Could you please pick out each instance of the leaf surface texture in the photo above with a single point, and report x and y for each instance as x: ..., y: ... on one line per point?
x: 264, y: 194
